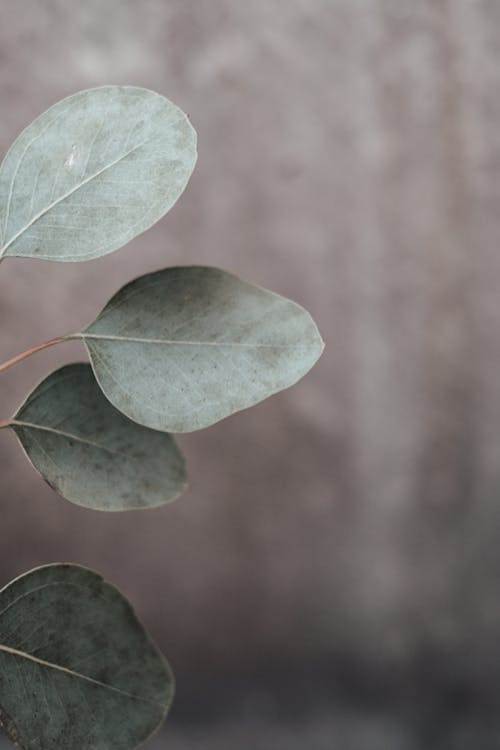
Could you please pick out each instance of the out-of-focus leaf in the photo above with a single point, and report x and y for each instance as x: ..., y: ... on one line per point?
x: 77, y: 669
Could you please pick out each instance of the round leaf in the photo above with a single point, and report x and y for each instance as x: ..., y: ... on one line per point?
x: 91, y: 453
x: 77, y: 669
x: 92, y: 172
x: 181, y: 348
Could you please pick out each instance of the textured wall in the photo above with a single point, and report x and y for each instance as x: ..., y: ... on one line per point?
x: 349, y: 158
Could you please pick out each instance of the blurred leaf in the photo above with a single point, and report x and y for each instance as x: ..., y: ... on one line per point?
x: 92, y: 172
x: 91, y: 453
x: 180, y: 349
x: 77, y: 669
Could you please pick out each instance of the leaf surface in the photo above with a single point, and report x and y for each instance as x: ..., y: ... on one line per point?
x: 180, y: 349
x: 92, y: 172
x: 90, y: 452
x: 77, y: 669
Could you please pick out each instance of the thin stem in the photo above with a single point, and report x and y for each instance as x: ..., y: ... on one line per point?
x: 4, y: 423
x: 33, y: 350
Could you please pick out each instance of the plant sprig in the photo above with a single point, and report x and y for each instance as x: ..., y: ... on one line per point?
x: 173, y: 351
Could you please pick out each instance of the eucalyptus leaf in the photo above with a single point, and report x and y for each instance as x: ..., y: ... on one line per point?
x: 92, y: 172
x: 77, y: 669
x: 182, y: 348
x: 91, y: 453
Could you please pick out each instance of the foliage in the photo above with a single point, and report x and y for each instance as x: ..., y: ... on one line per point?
x: 173, y: 351
x: 77, y: 669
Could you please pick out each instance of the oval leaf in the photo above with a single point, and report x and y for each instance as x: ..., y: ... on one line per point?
x: 92, y: 172
x: 77, y: 669
x: 180, y: 349
x: 91, y: 453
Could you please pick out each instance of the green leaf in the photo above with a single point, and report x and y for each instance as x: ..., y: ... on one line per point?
x: 91, y: 453
x: 77, y: 669
x: 180, y: 349
x: 92, y: 172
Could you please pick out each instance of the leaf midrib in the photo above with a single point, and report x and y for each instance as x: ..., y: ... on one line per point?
x: 72, y: 673
x: 68, y: 435
x: 66, y: 195
x: 185, y: 342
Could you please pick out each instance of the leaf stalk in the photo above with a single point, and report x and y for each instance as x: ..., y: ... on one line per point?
x: 24, y: 355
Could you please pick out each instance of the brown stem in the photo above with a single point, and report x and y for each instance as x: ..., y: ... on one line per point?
x: 29, y: 352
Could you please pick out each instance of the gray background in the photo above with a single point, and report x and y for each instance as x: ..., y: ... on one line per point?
x: 331, y: 577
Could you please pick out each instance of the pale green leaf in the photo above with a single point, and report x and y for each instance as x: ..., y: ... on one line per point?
x: 91, y: 453
x: 92, y: 172
x: 77, y: 669
x: 181, y: 348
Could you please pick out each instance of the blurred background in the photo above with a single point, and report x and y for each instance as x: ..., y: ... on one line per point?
x: 331, y: 578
